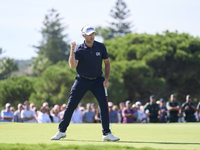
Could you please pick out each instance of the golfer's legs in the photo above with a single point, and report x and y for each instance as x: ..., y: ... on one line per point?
x: 77, y: 92
x: 99, y: 93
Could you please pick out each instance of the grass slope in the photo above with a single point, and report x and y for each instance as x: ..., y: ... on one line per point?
x: 157, y: 136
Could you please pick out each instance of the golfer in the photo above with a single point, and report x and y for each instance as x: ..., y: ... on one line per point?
x: 87, y: 59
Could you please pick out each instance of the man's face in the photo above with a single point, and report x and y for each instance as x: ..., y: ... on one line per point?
x: 138, y: 106
x: 173, y: 99
x: 162, y: 104
x: 8, y: 109
x: 88, y: 107
x: 20, y: 107
x: 27, y: 106
x: 89, y: 38
x: 128, y: 105
x: 188, y: 100
x: 152, y: 100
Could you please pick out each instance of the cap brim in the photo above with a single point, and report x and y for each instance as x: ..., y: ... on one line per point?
x: 90, y: 32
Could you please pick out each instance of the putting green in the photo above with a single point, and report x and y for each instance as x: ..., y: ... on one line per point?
x: 163, y: 136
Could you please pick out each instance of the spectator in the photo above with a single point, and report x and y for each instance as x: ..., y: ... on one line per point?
x: 128, y: 113
x: 27, y: 114
x: 7, y: 115
x: 141, y: 116
x: 12, y: 109
x: 62, y: 108
x: 77, y: 116
x: 32, y: 106
x: 93, y: 107
x: 45, y: 104
x: 152, y: 110
x: 88, y: 116
x: 95, y: 110
x: 121, y: 107
x: 189, y: 108
x: 163, y: 111
x: 17, y: 114
x: 82, y: 109
x: 113, y: 113
x: 48, y: 113
x: 173, y: 109
x: 98, y: 115
x: 116, y: 108
x: 43, y: 117
x: 36, y: 112
x: 80, y: 105
x: 55, y: 114
x: 198, y: 112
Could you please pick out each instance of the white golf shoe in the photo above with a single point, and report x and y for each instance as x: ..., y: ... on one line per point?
x: 59, y: 135
x: 110, y: 137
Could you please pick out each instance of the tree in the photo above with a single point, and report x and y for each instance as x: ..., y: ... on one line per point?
x: 7, y: 66
x: 54, y: 85
x: 105, y: 33
x: 159, y: 64
x: 120, y: 27
x: 16, y: 89
x: 53, y: 45
x: 39, y: 64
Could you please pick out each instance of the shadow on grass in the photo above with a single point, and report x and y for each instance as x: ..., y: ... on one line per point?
x: 132, y: 142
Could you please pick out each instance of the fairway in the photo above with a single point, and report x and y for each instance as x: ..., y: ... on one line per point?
x: 158, y: 136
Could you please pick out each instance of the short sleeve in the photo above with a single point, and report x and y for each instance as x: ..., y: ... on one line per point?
x: 198, y: 106
x: 167, y: 104
x: 105, y: 53
x: 77, y: 55
x: 2, y: 113
x: 183, y: 106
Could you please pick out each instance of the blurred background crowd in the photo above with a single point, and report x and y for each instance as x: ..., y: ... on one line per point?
x: 154, y: 111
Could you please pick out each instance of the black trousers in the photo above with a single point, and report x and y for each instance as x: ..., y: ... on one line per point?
x: 78, y: 90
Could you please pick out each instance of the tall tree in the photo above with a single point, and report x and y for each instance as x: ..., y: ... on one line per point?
x: 53, y: 45
x: 120, y: 27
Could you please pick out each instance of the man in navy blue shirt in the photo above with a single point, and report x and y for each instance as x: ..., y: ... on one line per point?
x: 189, y: 108
x: 87, y: 59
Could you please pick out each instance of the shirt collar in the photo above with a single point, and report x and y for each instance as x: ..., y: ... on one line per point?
x: 85, y: 46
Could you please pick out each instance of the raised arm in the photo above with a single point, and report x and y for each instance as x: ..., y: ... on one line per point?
x: 72, y: 61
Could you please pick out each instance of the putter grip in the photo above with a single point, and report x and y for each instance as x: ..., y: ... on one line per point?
x: 106, y: 92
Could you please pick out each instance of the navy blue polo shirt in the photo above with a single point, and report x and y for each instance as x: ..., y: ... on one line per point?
x: 90, y: 59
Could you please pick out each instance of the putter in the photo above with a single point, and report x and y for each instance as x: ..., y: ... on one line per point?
x: 106, y: 93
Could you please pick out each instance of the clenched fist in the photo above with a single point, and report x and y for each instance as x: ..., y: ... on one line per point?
x: 73, y: 45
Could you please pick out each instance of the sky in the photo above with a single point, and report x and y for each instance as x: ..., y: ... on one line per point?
x: 21, y: 20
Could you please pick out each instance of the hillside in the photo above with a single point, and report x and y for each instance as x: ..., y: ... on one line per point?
x: 24, y: 67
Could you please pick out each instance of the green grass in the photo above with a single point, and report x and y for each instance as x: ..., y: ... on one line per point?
x: 89, y: 136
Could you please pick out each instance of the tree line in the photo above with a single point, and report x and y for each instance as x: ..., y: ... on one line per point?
x: 141, y: 64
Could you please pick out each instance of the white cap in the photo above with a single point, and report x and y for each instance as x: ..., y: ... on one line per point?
x: 82, y: 108
x: 110, y: 104
x: 128, y: 102
x: 88, y: 30
x: 138, y: 103
x: 8, y: 105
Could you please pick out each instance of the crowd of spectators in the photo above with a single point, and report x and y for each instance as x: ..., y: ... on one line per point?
x: 154, y: 111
